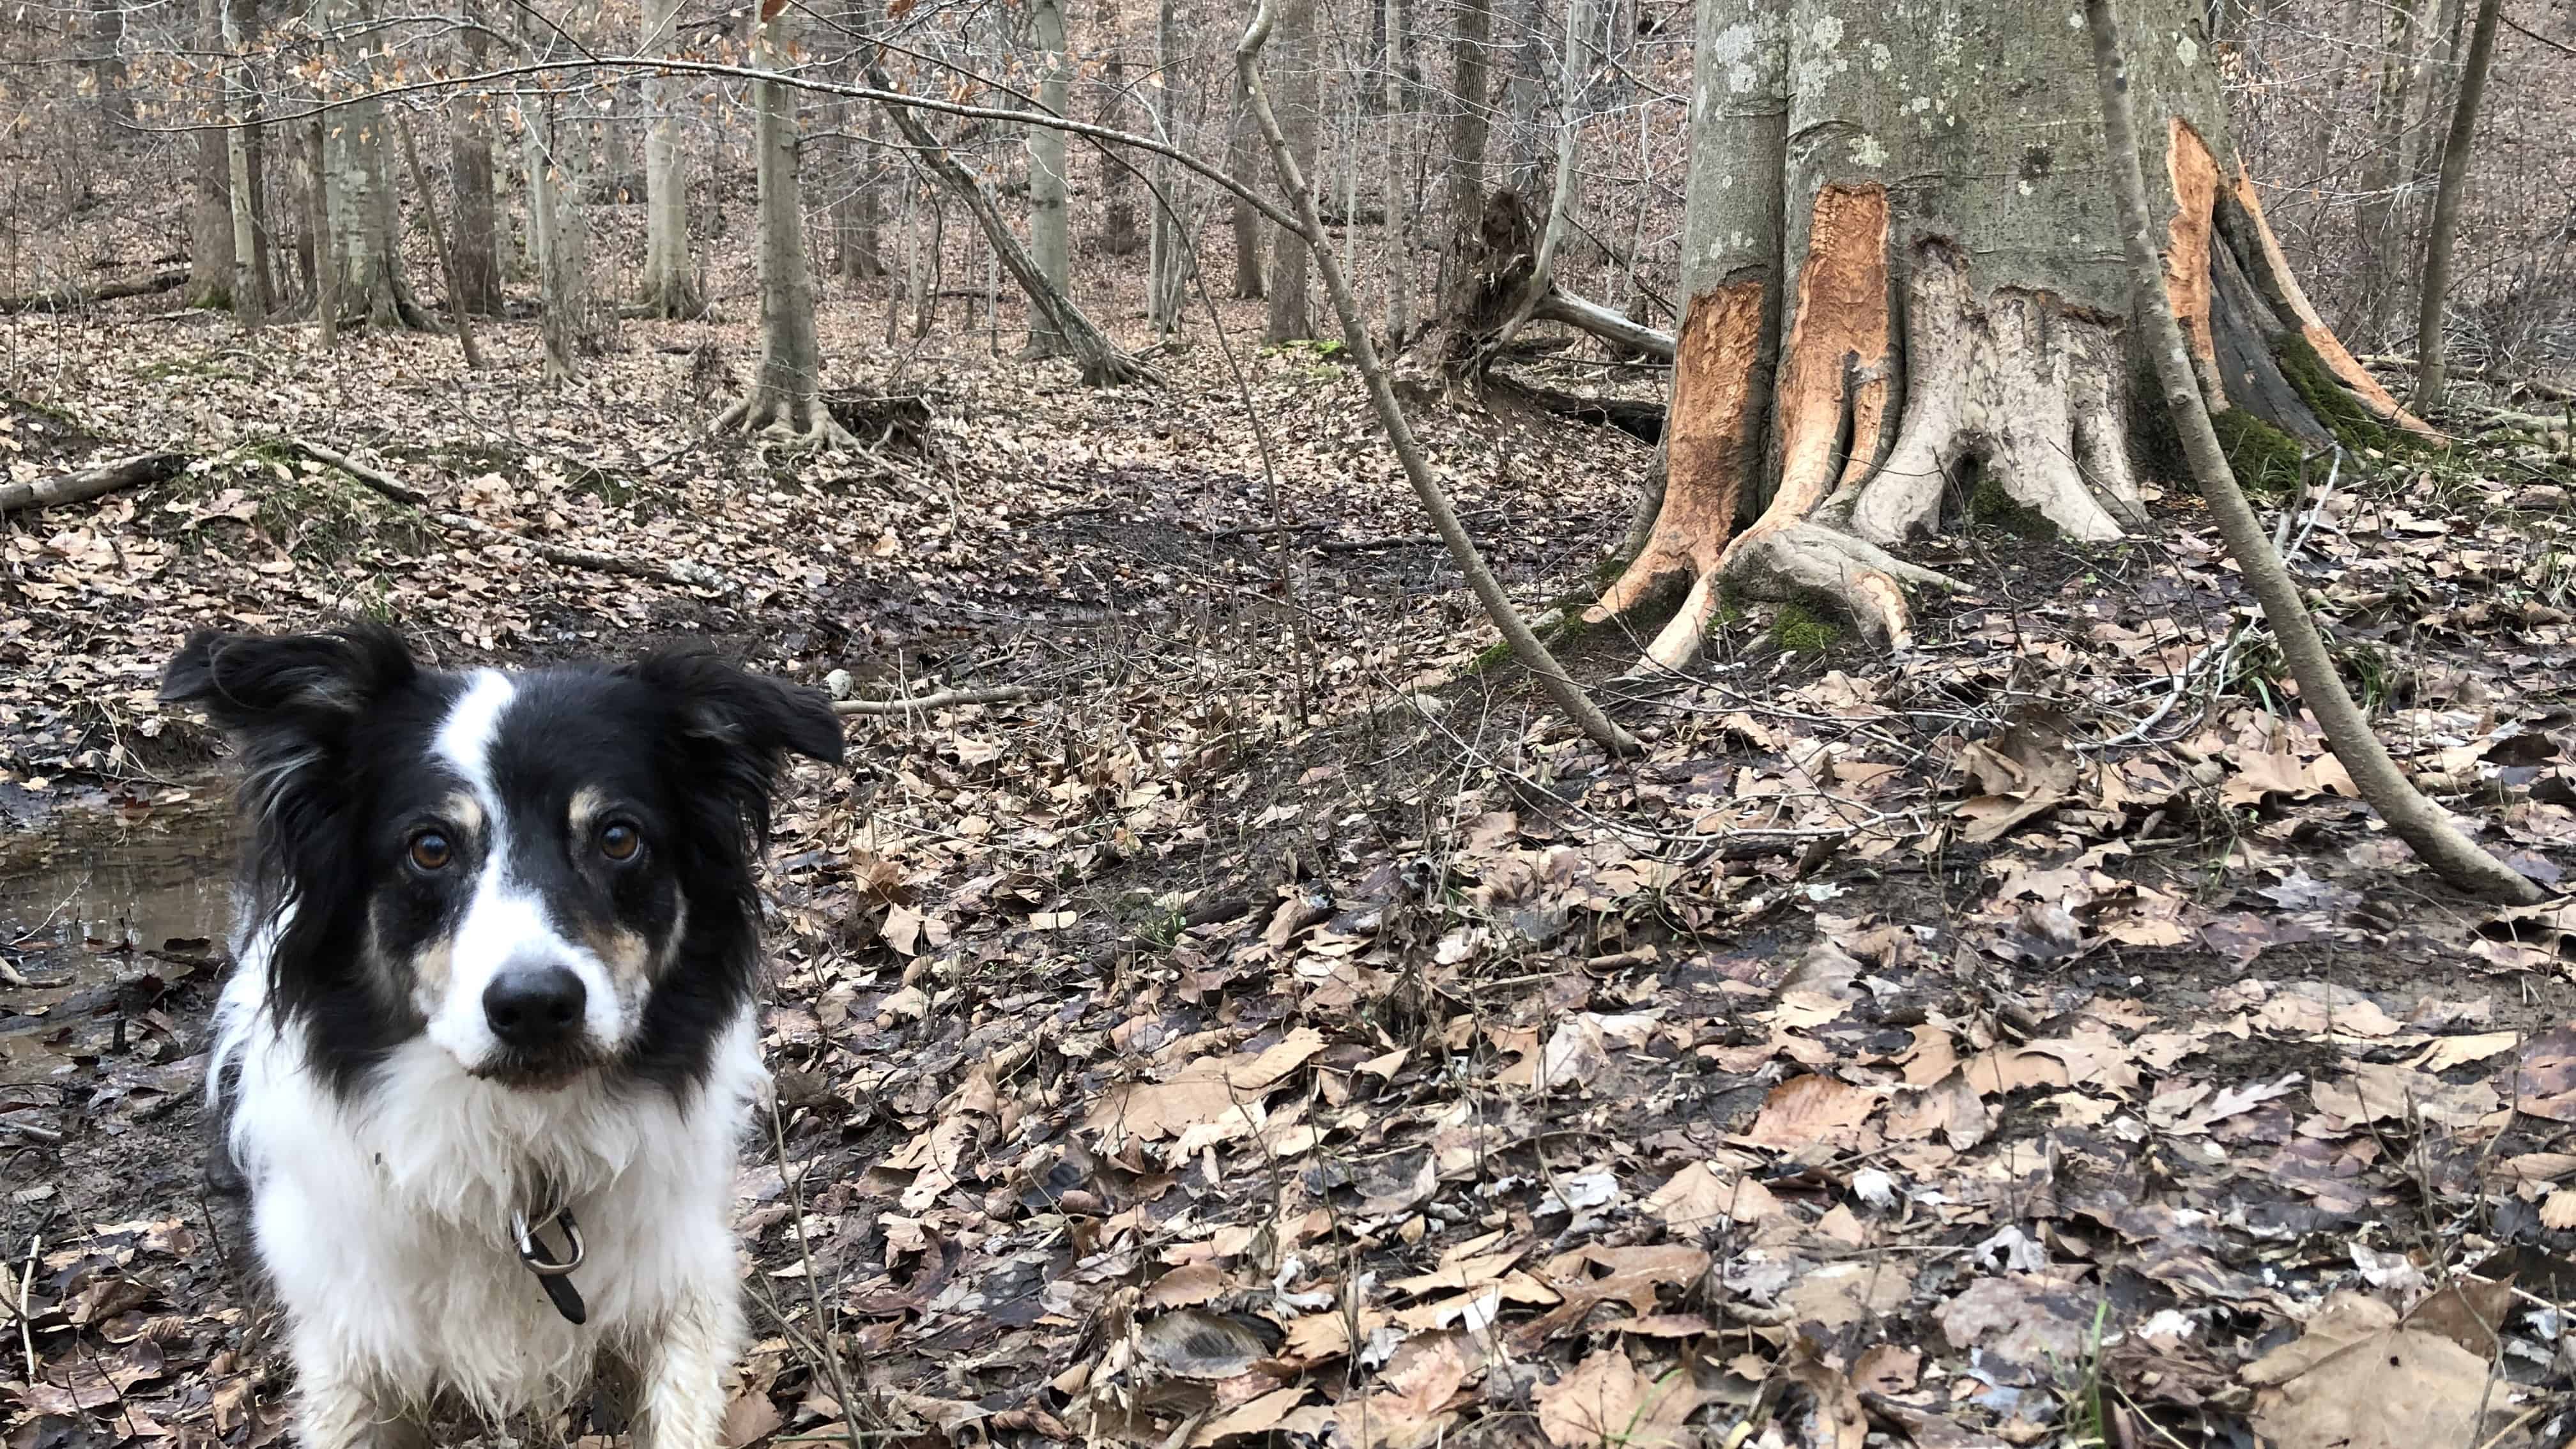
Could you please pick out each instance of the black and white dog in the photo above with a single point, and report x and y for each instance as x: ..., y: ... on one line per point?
x: 490, y: 1043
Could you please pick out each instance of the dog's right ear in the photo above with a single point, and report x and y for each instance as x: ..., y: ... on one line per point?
x: 260, y: 687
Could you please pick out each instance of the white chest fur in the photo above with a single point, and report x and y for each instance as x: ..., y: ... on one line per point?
x: 384, y: 1221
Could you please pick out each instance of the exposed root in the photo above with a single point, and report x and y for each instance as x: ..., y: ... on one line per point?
x: 1810, y: 560
x: 2022, y: 385
x: 771, y: 420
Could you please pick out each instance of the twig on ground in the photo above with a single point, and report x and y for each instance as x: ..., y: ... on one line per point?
x: 995, y: 694
x: 26, y: 1306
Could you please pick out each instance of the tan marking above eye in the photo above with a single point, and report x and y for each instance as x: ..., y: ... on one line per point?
x: 587, y: 804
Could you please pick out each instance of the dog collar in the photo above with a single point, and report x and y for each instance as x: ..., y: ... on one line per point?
x: 553, y: 1274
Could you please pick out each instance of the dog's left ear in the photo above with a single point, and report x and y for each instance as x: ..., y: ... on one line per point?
x: 752, y: 713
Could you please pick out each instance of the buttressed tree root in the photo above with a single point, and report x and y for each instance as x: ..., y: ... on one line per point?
x: 1933, y: 329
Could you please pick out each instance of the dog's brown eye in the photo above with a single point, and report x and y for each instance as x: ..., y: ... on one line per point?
x: 620, y: 841
x: 430, y: 851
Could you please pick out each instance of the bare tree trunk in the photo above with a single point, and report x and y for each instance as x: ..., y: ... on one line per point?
x: 2412, y: 818
x: 438, y: 240
x: 1399, y: 184
x: 1524, y: 90
x: 857, y: 214
x: 477, y: 283
x: 1049, y: 242
x: 247, y: 283
x: 1119, y: 234
x: 2381, y: 214
x: 212, y: 268
x: 1240, y: 165
x: 365, y: 223
x: 785, y: 402
x: 670, y: 278
x: 1167, y: 257
x: 1560, y: 208
x: 1295, y: 61
x: 1462, y: 198
x: 555, y: 277
x: 326, y: 274
x: 2430, y: 382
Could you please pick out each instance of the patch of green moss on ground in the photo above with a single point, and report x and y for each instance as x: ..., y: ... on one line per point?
x: 1798, y: 629
x: 2265, y: 460
x: 1993, y: 505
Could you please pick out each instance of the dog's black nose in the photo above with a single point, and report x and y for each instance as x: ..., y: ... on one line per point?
x: 533, y: 1008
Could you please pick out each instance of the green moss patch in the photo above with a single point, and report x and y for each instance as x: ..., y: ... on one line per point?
x: 2265, y: 460
x: 2337, y: 406
x: 1798, y: 629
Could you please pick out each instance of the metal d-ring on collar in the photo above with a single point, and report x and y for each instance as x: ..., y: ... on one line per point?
x: 553, y: 1273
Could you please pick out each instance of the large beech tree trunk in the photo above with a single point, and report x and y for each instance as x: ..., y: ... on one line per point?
x: 1905, y: 292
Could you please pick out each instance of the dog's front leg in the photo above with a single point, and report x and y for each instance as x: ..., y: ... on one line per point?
x: 336, y: 1409
x: 683, y: 1399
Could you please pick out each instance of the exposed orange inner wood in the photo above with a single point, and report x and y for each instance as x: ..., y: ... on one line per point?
x: 1708, y: 442
x: 2330, y: 348
x: 1840, y: 324
x: 2194, y: 173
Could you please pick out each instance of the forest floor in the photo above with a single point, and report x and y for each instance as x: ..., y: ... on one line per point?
x: 1278, y: 1025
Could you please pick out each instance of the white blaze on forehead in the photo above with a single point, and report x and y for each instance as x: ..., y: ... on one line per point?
x: 507, y: 920
x: 465, y: 737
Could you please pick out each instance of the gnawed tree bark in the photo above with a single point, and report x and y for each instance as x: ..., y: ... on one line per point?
x: 1906, y: 297
x: 785, y: 402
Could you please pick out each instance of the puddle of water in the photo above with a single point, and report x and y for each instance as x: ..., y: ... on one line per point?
x: 97, y: 895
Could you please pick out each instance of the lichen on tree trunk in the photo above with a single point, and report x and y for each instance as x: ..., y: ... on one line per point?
x: 1906, y: 293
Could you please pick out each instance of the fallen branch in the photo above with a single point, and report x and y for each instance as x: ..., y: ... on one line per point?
x: 2537, y: 387
x: 1526, y: 646
x: 89, y: 483
x: 2425, y: 828
x: 680, y: 572
x: 995, y: 694
x: 1560, y: 305
x: 72, y: 299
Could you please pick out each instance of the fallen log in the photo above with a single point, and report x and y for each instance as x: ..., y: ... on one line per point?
x: 1560, y: 305
x: 89, y: 483
x: 68, y: 299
